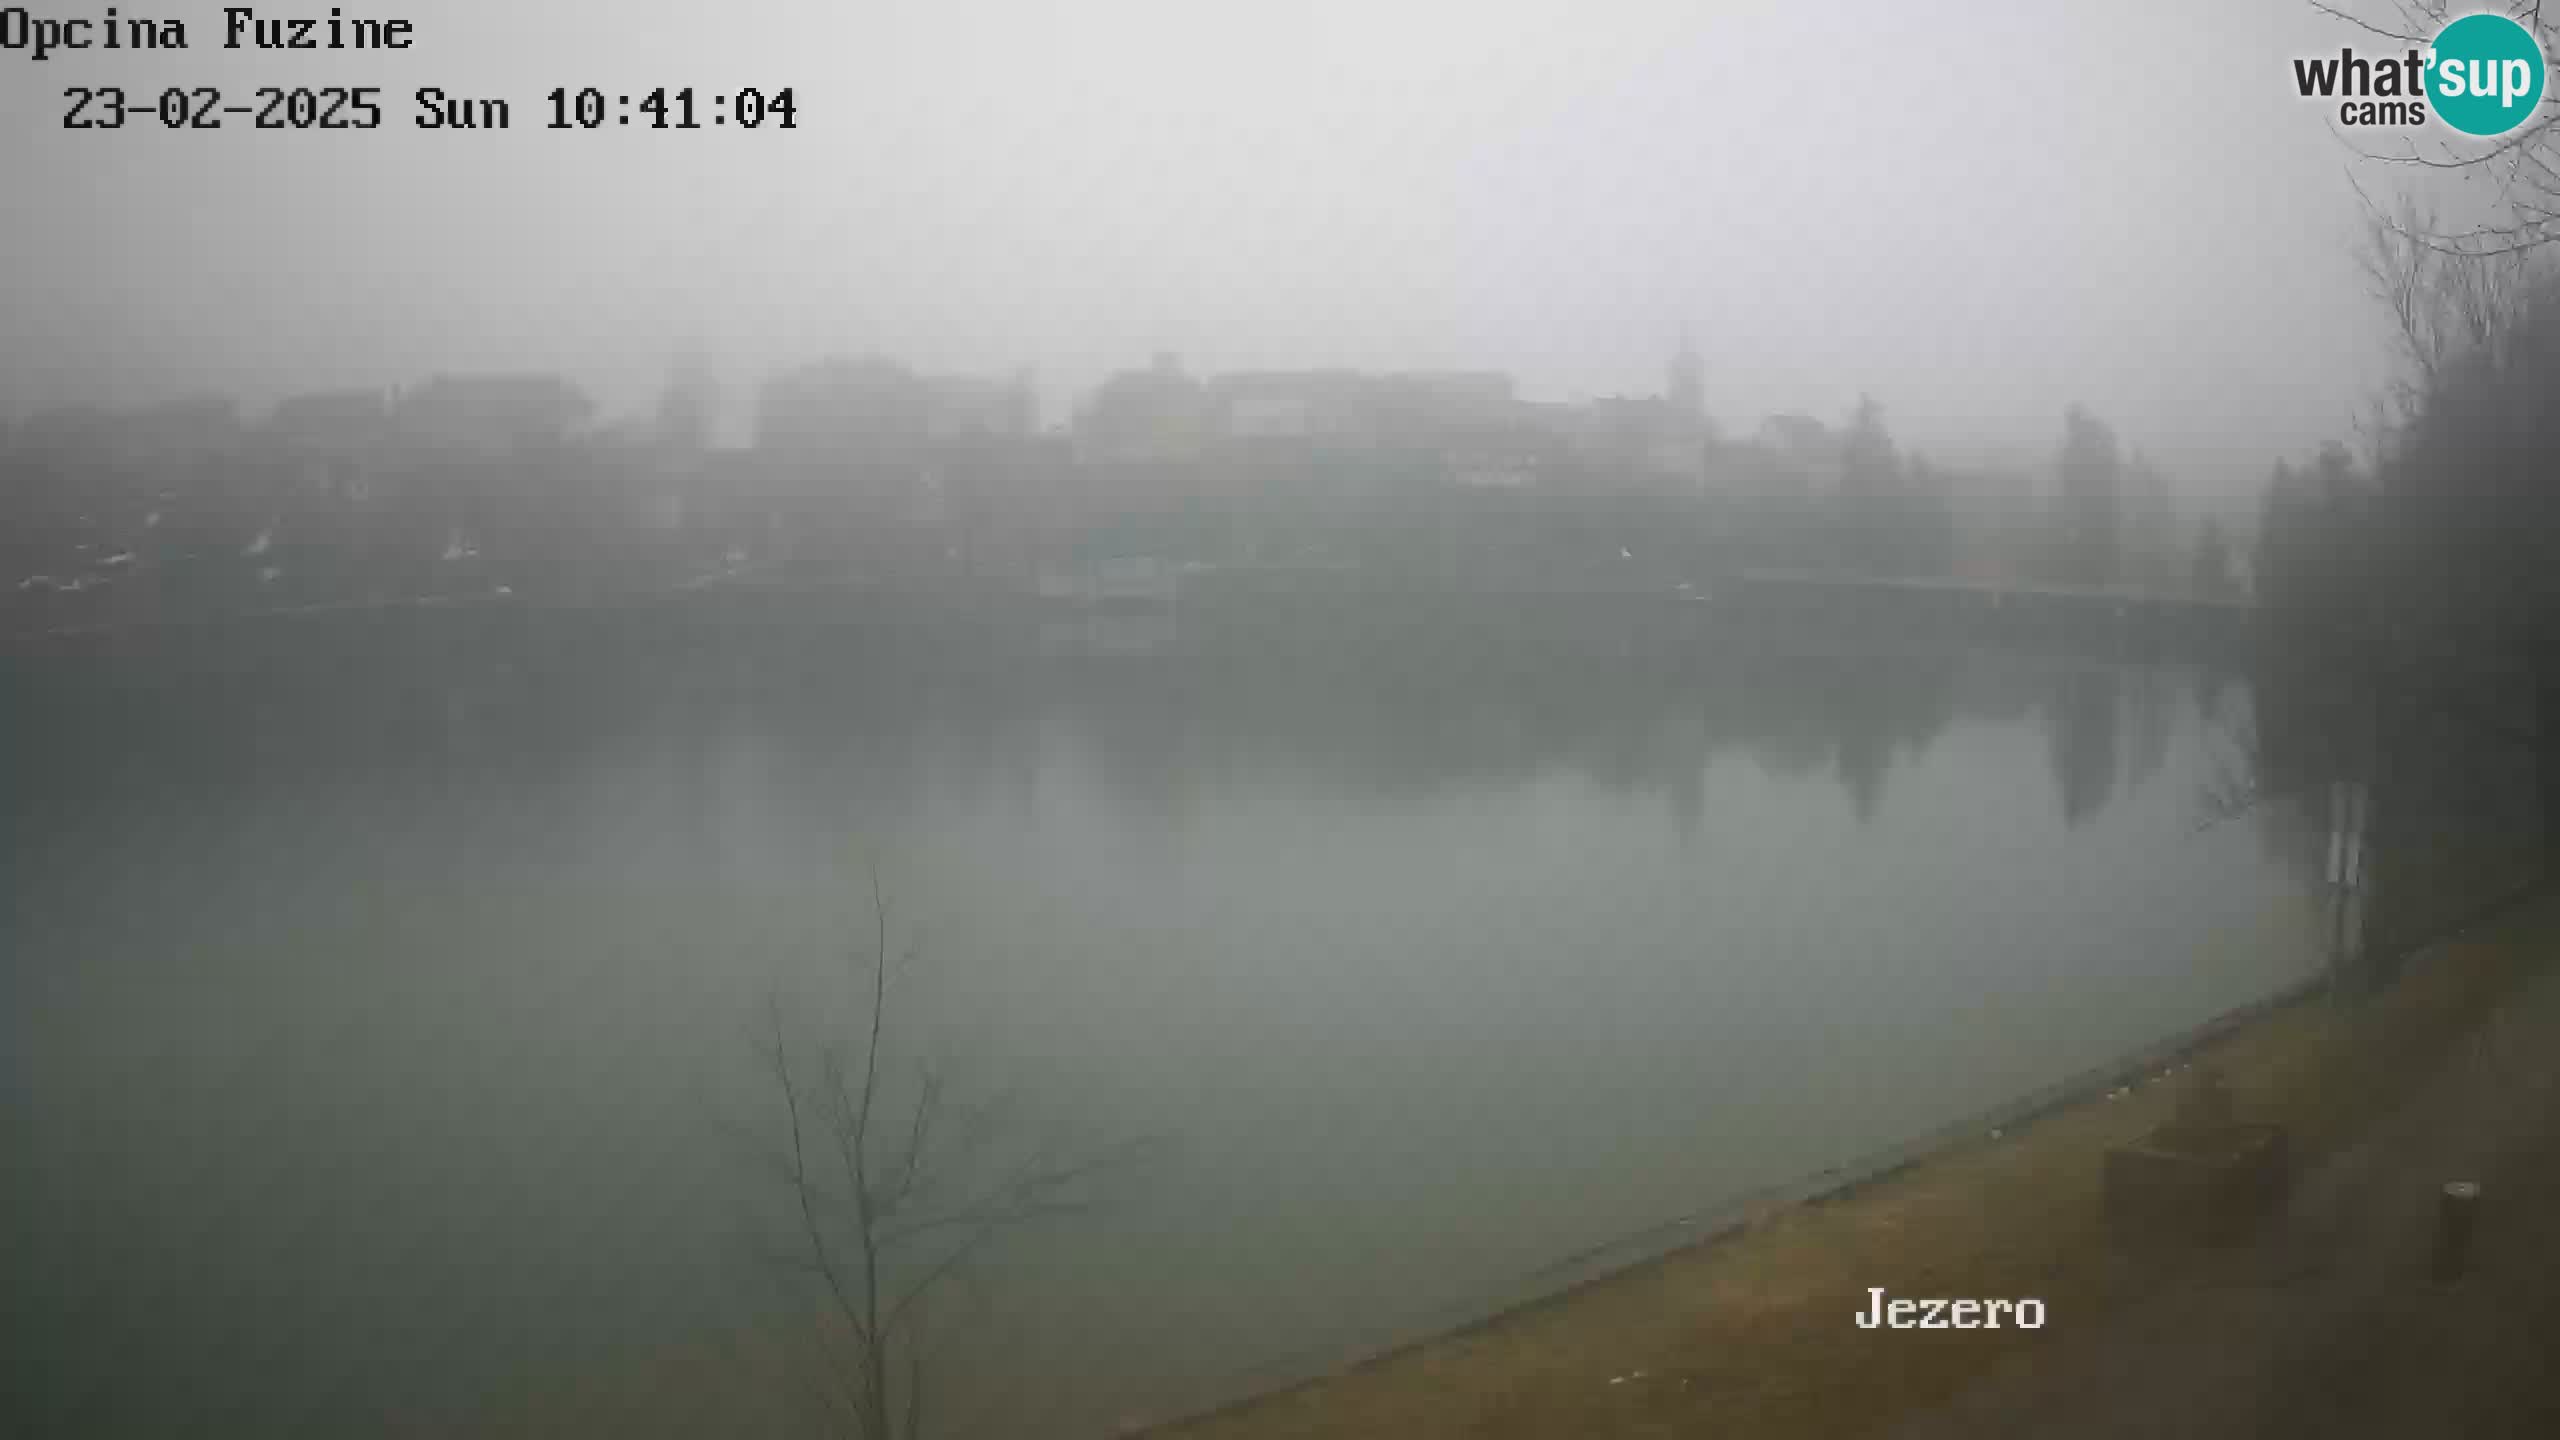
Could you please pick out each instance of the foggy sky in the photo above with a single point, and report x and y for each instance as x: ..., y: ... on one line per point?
x: 1979, y: 212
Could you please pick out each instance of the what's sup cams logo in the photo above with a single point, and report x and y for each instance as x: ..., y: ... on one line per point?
x: 2482, y: 75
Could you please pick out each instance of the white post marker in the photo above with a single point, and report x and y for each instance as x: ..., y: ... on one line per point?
x: 2349, y: 804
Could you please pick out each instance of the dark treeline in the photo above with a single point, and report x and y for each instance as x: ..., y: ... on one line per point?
x: 866, y: 470
x: 2409, y: 603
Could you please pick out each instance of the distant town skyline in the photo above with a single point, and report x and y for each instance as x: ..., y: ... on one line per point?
x: 1533, y: 187
x: 1058, y: 403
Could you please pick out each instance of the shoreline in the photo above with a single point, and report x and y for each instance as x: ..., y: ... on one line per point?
x: 1557, y: 1281
x: 1721, y: 1320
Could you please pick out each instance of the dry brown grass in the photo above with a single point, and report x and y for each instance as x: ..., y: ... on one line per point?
x: 1752, y: 1334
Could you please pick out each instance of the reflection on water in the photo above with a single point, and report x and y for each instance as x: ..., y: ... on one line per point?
x: 377, y: 1032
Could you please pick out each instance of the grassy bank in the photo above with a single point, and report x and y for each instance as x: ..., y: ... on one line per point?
x: 1751, y: 1334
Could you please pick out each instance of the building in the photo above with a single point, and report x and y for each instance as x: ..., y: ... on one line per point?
x: 1154, y: 416
x: 112, y: 468
x: 865, y: 464
x: 688, y: 414
x: 969, y: 408
x: 867, y: 409
x: 491, y: 416
x: 1655, y: 443
x: 178, y: 434
x: 1804, y: 454
x: 1688, y: 390
x: 876, y: 410
x: 1350, y: 410
x: 1334, y: 408
x: 331, y: 444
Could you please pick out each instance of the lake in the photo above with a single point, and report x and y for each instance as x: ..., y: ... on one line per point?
x: 382, y: 1027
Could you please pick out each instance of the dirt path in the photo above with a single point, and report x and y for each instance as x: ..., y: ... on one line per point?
x: 2332, y: 1326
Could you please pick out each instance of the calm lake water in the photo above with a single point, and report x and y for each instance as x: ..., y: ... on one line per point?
x: 381, y: 1033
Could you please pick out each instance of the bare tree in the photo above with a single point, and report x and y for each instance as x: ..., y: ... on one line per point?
x: 895, y: 1195
x: 2521, y: 169
x: 2409, y: 619
x: 2403, y: 621
x: 2444, y: 304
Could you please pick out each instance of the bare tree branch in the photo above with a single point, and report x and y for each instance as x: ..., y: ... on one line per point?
x: 880, y: 1251
x: 2528, y: 199
x: 919, y: 1135
x: 2368, y: 26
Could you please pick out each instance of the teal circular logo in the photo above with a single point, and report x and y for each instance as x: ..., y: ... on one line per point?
x: 2485, y: 74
